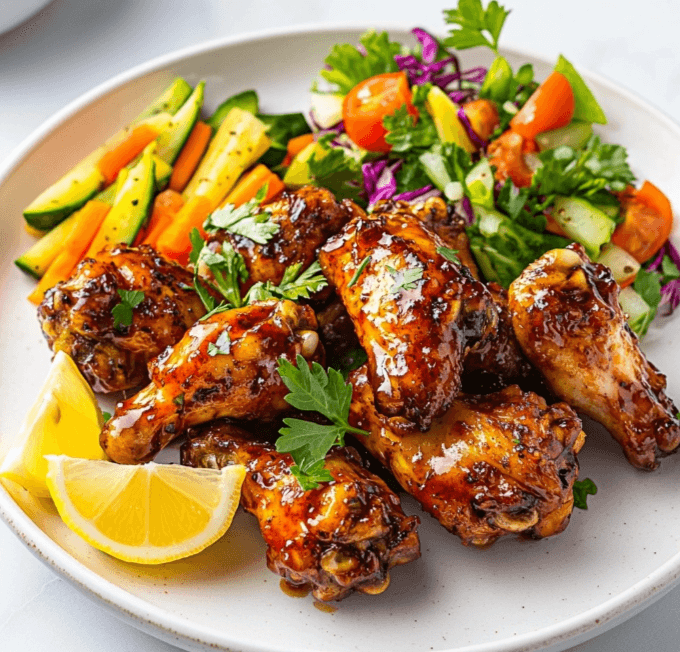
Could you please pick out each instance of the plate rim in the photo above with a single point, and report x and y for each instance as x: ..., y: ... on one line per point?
x: 175, y: 629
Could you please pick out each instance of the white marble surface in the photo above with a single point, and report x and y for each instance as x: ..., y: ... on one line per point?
x: 72, y: 45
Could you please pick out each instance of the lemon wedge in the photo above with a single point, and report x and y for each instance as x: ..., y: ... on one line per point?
x: 148, y: 514
x: 65, y: 419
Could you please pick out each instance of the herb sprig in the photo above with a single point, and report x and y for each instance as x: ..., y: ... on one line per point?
x: 473, y: 26
x: 582, y: 489
x: 122, y: 312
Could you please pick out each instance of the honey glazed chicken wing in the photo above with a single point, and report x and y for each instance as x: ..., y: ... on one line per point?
x: 77, y: 315
x: 493, y: 465
x: 225, y: 366
x: 415, y: 313
x: 306, y: 217
x: 341, y: 537
x: 567, y: 318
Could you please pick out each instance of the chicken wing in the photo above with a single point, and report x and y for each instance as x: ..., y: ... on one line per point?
x: 343, y: 536
x: 225, y: 366
x: 306, y: 217
x: 492, y: 465
x: 77, y: 315
x: 415, y: 313
x: 567, y: 318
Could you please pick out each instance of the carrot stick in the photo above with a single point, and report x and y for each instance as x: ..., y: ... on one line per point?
x: 190, y: 156
x: 85, y: 227
x: 251, y: 182
x: 117, y: 158
x: 174, y: 241
x: 165, y: 207
x: 295, y: 146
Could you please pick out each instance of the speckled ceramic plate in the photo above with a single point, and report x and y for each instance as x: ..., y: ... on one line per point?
x: 613, y: 560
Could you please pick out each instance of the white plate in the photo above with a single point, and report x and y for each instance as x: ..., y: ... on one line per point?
x: 612, y: 561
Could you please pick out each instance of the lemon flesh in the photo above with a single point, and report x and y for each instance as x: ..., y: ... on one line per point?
x: 148, y: 514
x: 65, y: 419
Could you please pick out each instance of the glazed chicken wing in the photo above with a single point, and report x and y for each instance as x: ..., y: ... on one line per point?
x: 307, y: 217
x: 415, y: 313
x: 492, y: 465
x: 77, y: 315
x: 567, y: 318
x: 225, y: 366
x: 343, y: 536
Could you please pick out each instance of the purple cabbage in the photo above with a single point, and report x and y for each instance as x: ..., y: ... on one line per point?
x: 670, y: 292
x: 421, y: 194
x: 379, y: 180
x: 429, y: 44
x: 469, y: 211
x: 474, y: 137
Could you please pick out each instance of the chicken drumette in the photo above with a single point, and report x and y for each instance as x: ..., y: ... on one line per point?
x: 225, y: 366
x: 345, y: 535
x: 492, y: 465
x: 567, y: 318
x: 415, y: 313
x: 77, y: 315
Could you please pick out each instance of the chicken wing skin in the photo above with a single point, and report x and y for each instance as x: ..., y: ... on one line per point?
x: 341, y: 537
x: 307, y: 217
x: 415, y: 313
x: 567, y: 318
x: 208, y: 375
x: 76, y: 315
x: 493, y: 465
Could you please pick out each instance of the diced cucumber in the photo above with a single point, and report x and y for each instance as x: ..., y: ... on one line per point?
x: 622, y: 265
x: 131, y: 208
x: 480, y: 182
x: 574, y: 135
x: 489, y: 221
x: 584, y: 223
x: 327, y: 109
x: 171, y: 141
x: 169, y: 101
x: 298, y: 173
x: 435, y: 168
x: 444, y: 112
x: 246, y: 101
x: 640, y: 314
x: 238, y: 144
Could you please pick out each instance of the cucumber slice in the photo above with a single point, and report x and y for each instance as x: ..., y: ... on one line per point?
x: 584, y: 223
x: 622, y: 265
x: 163, y: 172
x: 169, y: 101
x: 246, y: 101
x: 171, y: 141
x: 327, y: 109
x: 574, y: 135
x: 480, y: 183
x: 131, y: 207
x: 640, y: 314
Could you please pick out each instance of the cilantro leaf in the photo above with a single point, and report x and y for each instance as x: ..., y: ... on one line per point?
x: 472, y: 25
x: 222, y: 345
x: 346, y: 66
x: 294, y: 285
x: 405, y: 279
x: 122, y: 312
x: 228, y: 268
x: 314, y: 390
x: 246, y: 220
x: 583, y: 488
x: 360, y: 269
x: 449, y: 254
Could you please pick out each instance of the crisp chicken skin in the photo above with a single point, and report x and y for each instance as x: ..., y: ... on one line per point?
x: 493, y: 465
x: 77, y: 315
x: 341, y: 537
x: 307, y: 217
x: 225, y: 366
x: 416, y: 333
x: 567, y: 318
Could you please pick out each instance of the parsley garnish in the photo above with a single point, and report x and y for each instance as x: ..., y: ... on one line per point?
x: 357, y: 274
x: 294, y: 285
x: 314, y: 390
x: 583, y: 488
x: 106, y: 416
x: 405, y: 279
x: 179, y: 400
x: 122, y: 312
x: 338, y: 168
x: 405, y: 132
x: 449, y: 254
x: 473, y: 26
x: 222, y: 345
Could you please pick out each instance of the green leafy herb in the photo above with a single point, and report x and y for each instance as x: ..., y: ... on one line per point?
x: 247, y: 101
x: 222, y: 307
x: 346, y: 66
x: 449, y: 254
x: 294, y: 285
x: 179, y: 400
x: 280, y: 129
x: 222, y: 345
x: 404, y: 279
x: 106, y: 416
x: 349, y: 361
x: 648, y: 285
x: 338, y: 168
x: 405, y: 132
x: 122, y: 312
x: 228, y: 268
x: 314, y: 390
x: 246, y: 220
x: 360, y: 269
x: 474, y: 26
x: 669, y: 270
x: 583, y: 488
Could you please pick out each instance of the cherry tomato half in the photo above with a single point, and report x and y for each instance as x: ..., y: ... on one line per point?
x: 551, y: 106
x: 369, y: 102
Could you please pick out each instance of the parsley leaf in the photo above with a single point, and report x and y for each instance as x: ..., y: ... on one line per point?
x: 315, y: 474
x: 404, y: 131
x: 122, y: 312
x: 179, y: 400
x: 222, y: 345
x: 294, y: 285
x: 346, y: 66
x: 583, y: 488
x: 338, y: 168
x: 246, y: 220
x: 228, y: 268
x: 280, y: 129
x: 449, y: 254
x: 357, y: 274
x: 314, y: 390
x: 472, y: 25
x: 106, y: 416
x: 405, y: 278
